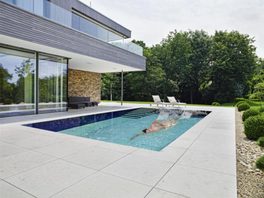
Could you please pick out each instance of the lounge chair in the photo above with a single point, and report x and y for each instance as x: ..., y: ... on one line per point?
x: 158, y: 101
x: 173, y: 101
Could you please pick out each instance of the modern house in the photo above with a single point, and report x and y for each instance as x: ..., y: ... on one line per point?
x: 53, y: 49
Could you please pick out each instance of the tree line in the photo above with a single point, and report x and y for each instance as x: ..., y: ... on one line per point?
x: 194, y: 67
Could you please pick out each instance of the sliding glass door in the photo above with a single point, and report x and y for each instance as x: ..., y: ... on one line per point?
x: 31, y: 82
x: 52, y: 83
x: 17, y: 82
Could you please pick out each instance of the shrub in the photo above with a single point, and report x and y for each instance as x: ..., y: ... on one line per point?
x: 260, y: 141
x: 215, y: 104
x: 248, y: 113
x: 260, y: 163
x: 8, y: 101
x: 254, y: 127
x: 243, y: 107
x: 255, y: 100
x: 239, y: 99
x: 261, y: 109
x: 246, y: 96
x: 241, y: 102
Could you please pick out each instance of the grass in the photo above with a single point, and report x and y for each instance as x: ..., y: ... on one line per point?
x: 135, y: 102
x: 231, y: 104
x: 253, y: 104
x: 141, y: 102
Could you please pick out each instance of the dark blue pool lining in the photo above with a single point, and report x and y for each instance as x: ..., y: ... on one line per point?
x: 67, y: 123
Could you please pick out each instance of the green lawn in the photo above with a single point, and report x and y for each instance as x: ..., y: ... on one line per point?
x: 141, y: 102
x: 253, y: 104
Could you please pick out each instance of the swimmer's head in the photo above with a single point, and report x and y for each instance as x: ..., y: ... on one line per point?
x: 144, y: 130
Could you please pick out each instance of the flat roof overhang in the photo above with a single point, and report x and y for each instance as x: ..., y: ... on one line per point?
x: 23, y: 29
x: 76, y: 61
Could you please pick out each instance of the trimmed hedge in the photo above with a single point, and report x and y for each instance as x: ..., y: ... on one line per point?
x: 215, y: 104
x: 8, y: 101
x: 241, y: 102
x: 260, y: 163
x: 248, y: 113
x: 254, y: 127
x: 243, y: 107
x: 260, y: 142
x: 239, y: 99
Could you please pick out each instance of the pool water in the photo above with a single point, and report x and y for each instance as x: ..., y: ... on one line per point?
x: 120, y: 130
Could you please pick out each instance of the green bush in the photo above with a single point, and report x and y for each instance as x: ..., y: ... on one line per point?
x: 243, y: 107
x: 260, y: 141
x: 254, y: 127
x: 8, y: 101
x: 255, y: 100
x: 260, y: 163
x: 215, y: 104
x: 246, y: 96
x: 248, y: 113
x: 261, y: 109
x: 241, y: 102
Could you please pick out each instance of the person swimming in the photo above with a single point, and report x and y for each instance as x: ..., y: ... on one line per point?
x: 154, y: 128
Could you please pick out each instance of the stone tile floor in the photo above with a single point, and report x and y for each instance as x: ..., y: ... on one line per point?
x: 39, y: 163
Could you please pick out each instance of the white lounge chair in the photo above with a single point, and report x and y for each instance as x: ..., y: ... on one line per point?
x: 173, y: 101
x: 158, y: 101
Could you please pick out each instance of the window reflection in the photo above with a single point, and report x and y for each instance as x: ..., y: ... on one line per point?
x: 18, y: 87
x: 52, y: 83
x: 17, y: 70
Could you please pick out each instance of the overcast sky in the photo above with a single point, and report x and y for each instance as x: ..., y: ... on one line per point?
x: 152, y: 20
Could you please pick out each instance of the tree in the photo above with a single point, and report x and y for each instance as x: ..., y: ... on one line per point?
x: 110, y: 81
x: 233, y: 62
x: 25, y: 73
x: 146, y: 83
x: 5, y: 87
x: 198, y: 69
x: 176, y: 50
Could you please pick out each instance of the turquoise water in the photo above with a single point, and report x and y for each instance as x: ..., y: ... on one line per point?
x: 120, y: 130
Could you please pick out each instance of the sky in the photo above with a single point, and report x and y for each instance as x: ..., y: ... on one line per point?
x: 152, y: 20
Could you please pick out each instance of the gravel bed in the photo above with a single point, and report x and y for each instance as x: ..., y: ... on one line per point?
x: 250, y: 181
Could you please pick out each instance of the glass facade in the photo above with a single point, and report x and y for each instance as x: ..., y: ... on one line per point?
x: 55, y: 13
x: 20, y: 88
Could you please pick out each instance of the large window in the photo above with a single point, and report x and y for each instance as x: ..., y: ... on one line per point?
x: 52, y: 83
x: 17, y: 84
x: 21, y: 92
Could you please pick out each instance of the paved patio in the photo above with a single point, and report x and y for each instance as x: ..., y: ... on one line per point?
x: 39, y: 163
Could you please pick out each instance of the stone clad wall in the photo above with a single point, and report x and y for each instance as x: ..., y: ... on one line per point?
x: 84, y: 84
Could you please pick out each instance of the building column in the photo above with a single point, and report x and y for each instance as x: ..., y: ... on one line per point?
x: 37, y: 83
x: 122, y: 87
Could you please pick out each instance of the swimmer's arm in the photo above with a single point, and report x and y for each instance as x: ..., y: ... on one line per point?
x: 158, y: 122
x: 135, y: 136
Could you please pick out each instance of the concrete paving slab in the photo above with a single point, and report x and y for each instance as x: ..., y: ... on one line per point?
x: 49, y: 179
x: 95, y: 157
x: 209, y: 161
x: 158, y: 193
x: 198, y: 183
x: 101, y: 185
x: 10, y: 191
x: 21, y: 162
x: 146, y: 171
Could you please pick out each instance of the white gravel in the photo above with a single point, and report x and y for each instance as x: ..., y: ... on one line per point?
x: 250, y: 181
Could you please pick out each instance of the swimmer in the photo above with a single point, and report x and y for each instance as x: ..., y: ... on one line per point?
x: 160, y: 126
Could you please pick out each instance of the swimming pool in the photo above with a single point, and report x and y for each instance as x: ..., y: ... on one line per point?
x: 119, y: 127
